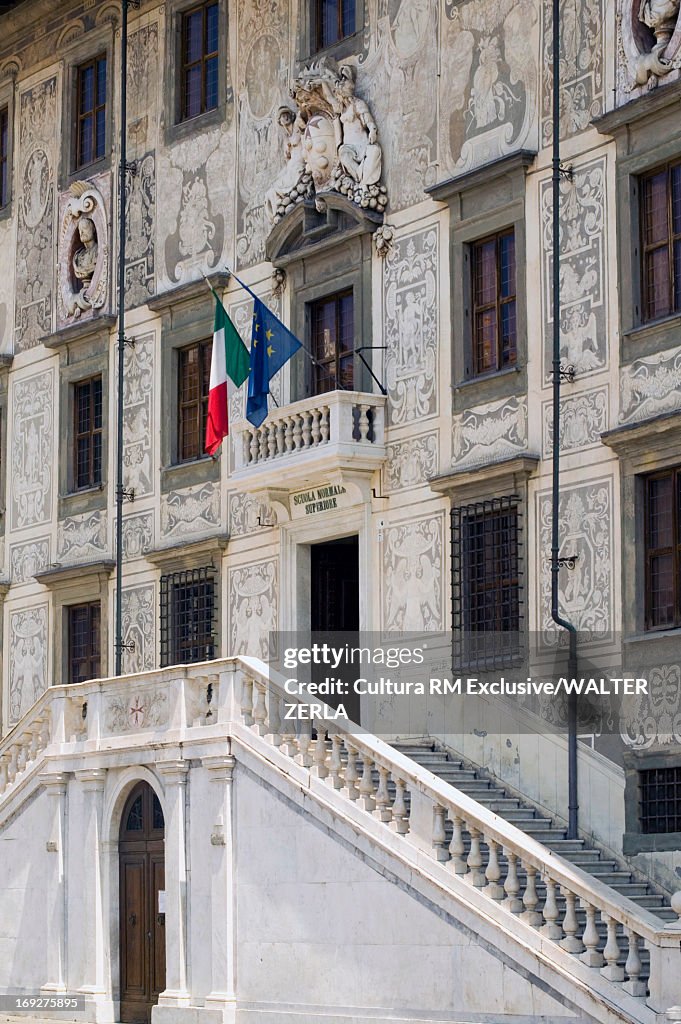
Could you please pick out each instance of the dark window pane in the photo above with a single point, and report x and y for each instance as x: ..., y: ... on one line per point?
x: 329, y: 22
x: 348, y: 17
x: 87, y: 89
x: 507, y: 266
x: 193, y: 91
x: 85, y: 141
x: 657, y: 280
x: 193, y: 25
x: 187, y: 615
x: 101, y: 80
x: 212, y: 29
x: 211, y: 83
x: 100, y: 133
x: 676, y: 199
x: 655, y: 208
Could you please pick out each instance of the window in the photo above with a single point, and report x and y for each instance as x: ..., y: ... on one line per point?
x: 661, y: 224
x: 662, y: 550
x: 199, y: 82
x: 494, y: 303
x: 332, y: 20
x: 333, y: 331
x: 87, y: 404
x: 84, y: 643
x: 486, y: 581
x: 91, y: 111
x: 187, y: 614
x: 4, y: 156
x: 193, y: 386
x: 660, y: 800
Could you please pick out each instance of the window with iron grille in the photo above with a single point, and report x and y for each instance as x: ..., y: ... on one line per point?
x: 494, y: 303
x: 84, y: 642
x: 4, y: 156
x: 91, y: 111
x: 193, y: 386
x: 486, y: 573
x: 333, y: 20
x: 660, y: 800
x: 661, y: 242
x: 87, y: 407
x: 199, y: 72
x: 333, y: 343
x: 663, y: 549
x: 187, y: 616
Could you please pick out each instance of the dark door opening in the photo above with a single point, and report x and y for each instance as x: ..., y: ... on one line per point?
x: 334, y: 607
x: 142, y: 914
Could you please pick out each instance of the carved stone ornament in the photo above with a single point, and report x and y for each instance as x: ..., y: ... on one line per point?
x: 655, y: 36
x: 84, y: 252
x: 331, y: 143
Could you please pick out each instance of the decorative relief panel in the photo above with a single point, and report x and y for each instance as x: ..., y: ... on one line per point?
x: 82, y: 538
x: 490, y: 433
x: 143, y: 79
x: 32, y: 436
x: 146, y: 709
x: 654, y: 718
x: 8, y: 267
x: 584, y: 343
x: 585, y: 593
x: 488, y: 81
x: 35, y: 214
x: 650, y: 386
x: 413, y: 563
x: 253, y: 605
x: 248, y: 514
x: 139, y: 618
x: 583, y: 418
x: 648, y: 45
x: 138, y: 437
x: 138, y: 535
x: 27, y: 559
x: 84, y: 256
x: 27, y: 659
x: 410, y: 318
x: 140, y: 228
x: 581, y: 66
x: 411, y: 462
x: 189, y: 511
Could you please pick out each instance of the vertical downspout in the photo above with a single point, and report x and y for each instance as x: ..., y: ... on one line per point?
x: 120, y: 493
x: 573, y: 802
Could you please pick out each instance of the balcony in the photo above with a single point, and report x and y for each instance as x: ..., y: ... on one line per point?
x: 342, y: 431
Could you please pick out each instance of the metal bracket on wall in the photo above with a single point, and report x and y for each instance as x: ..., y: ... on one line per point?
x: 371, y: 348
x: 566, y: 172
x: 379, y: 497
x: 131, y: 167
x: 568, y: 561
x: 566, y: 373
x: 129, y: 341
x: 125, y: 645
x: 126, y: 494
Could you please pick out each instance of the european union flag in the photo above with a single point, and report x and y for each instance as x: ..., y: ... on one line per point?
x: 272, y: 344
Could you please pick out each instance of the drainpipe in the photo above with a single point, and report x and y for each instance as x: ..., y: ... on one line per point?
x: 557, y: 374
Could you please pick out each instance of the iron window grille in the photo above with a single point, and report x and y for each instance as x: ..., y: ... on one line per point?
x: 193, y: 380
x: 188, y: 610
x: 333, y: 343
x: 199, y: 74
x: 84, y: 622
x: 4, y: 156
x: 660, y: 800
x: 661, y: 242
x: 663, y: 550
x: 333, y: 20
x: 87, y: 434
x: 486, y: 573
x: 494, y: 303
x: 91, y: 111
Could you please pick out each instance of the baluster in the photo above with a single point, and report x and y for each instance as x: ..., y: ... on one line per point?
x: 260, y: 710
x: 591, y: 956
x: 324, y: 424
x: 272, y: 440
x: 351, y: 777
x: 262, y: 437
x: 400, y: 821
x: 366, y: 785
x: 363, y: 422
x: 316, y: 432
x: 288, y: 434
x: 297, y: 432
x: 320, y: 754
x: 612, y: 971
x: 335, y: 763
x: 21, y: 756
x: 280, y: 437
x: 457, y: 847
x: 475, y: 875
x: 634, y: 986
x: 383, y: 811
x: 12, y: 765
x: 493, y: 873
x: 253, y: 447
x: 570, y: 926
x: 274, y: 717
x: 439, y: 841
x: 247, y: 700
x: 33, y: 744
x: 307, y: 429
x: 512, y: 885
x: 552, y: 929
x: 45, y: 730
x: 3, y: 773
x: 304, y: 739
x: 288, y: 740
x: 530, y: 898
x: 246, y: 447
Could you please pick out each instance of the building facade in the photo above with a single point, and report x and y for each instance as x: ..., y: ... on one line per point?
x: 379, y: 173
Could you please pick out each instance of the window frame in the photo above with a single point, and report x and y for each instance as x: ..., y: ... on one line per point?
x: 79, y: 163
x: 171, y: 644
x: 497, y: 305
x: 5, y: 165
x: 316, y: 25
x: 313, y: 307
x: 92, y: 655
x: 204, y: 348
x: 672, y: 238
x: 184, y: 15
x: 649, y: 553
x: 91, y: 433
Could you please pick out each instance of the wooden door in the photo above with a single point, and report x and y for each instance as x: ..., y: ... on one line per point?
x: 334, y: 608
x: 142, y: 917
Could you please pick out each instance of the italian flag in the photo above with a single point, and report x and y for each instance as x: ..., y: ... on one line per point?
x: 229, y: 358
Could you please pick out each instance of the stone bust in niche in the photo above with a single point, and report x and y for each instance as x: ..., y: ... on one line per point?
x: 84, y: 253
x: 659, y: 43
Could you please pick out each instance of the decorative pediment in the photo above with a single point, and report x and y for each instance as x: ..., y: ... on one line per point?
x: 316, y: 225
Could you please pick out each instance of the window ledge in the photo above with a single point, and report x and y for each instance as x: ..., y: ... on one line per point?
x: 482, y: 378
x: 652, y: 328
x: 182, y: 555
x: 194, y: 125
x: 653, y: 634
x: 186, y: 474
x: 511, y: 473
x: 655, y: 842
x: 447, y: 190
x: 59, y: 574
x: 90, y: 499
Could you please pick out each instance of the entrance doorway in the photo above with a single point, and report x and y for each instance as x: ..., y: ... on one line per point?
x: 334, y: 605
x: 142, y: 910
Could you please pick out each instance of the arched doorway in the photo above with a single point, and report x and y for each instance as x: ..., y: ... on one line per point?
x: 142, y: 909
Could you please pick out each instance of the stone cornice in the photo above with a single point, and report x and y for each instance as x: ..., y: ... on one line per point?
x: 646, y: 436
x: 98, y: 328
x: 641, y: 109
x: 182, y: 555
x: 466, y: 482
x: 444, y: 190
x: 186, y: 294
x: 66, y: 573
